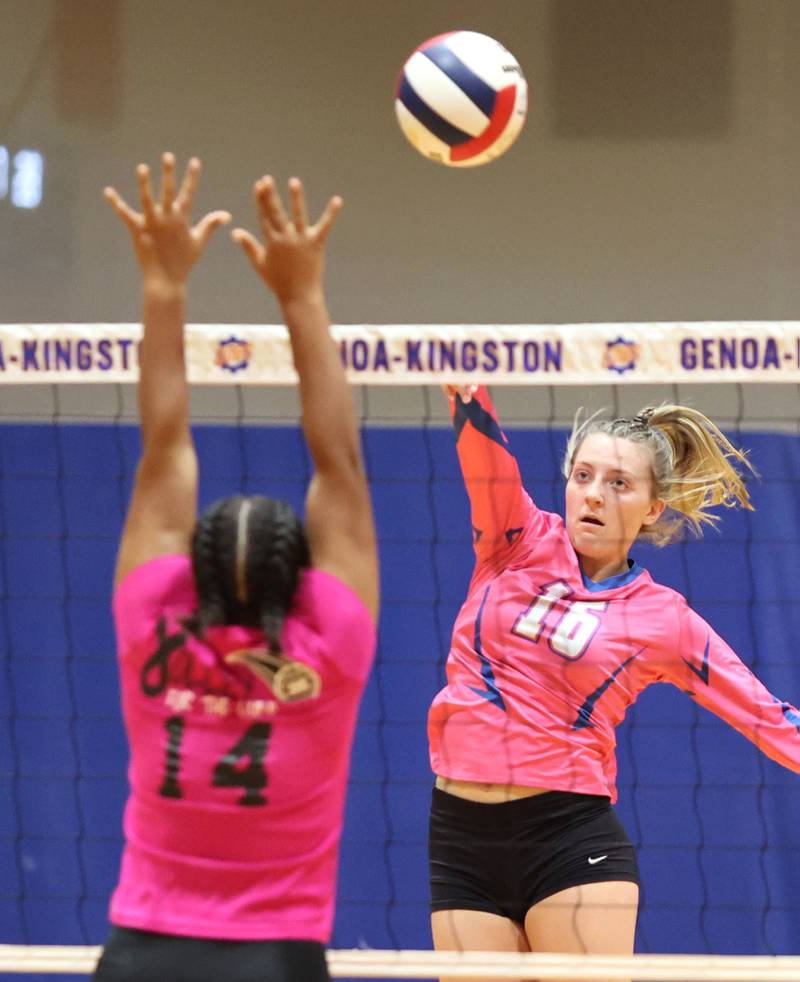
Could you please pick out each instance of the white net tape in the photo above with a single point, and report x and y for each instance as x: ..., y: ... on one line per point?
x: 414, y: 354
x: 360, y: 964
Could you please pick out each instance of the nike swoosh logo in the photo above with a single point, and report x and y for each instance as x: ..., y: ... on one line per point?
x: 598, y: 859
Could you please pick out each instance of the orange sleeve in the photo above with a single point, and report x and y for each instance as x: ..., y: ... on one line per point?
x: 499, y: 504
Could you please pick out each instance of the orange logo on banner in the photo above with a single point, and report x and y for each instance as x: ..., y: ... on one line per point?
x: 233, y: 354
x: 621, y: 355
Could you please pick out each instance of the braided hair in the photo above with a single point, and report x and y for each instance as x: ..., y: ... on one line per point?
x: 694, y: 466
x: 247, y: 553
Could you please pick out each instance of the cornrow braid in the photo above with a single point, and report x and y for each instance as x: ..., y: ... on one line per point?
x: 277, y: 552
x: 695, y: 467
x: 208, y: 565
x: 247, y: 553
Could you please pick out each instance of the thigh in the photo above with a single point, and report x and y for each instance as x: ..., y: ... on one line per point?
x: 464, y: 857
x: 591, y: 847
x: 592, y: 919
x: 475, y: 930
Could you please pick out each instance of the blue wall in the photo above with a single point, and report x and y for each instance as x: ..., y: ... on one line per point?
x: 717, y: 824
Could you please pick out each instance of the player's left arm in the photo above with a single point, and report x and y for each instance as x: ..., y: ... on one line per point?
x: 710, y: 670
x: 163, y: 507
x: 338, y: 519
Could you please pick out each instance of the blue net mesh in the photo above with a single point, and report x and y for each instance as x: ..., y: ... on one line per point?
x: 717, y: 825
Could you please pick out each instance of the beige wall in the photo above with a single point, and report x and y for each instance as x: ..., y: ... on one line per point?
x: 691, y: 217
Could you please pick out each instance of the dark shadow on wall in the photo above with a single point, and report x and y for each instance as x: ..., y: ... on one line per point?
x: 87, y: 80
x: 633, y: 69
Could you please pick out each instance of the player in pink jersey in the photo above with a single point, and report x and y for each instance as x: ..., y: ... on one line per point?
x: 244, y: 638
x: 558, y: 635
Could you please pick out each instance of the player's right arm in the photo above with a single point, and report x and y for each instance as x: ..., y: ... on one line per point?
x: 162, y: 510
x: 499, y: 504
x: 339, y: 523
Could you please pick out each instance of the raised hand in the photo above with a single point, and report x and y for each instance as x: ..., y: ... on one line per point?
x: 291, y: 258
x: 167, y: 245
x: 465, y: 391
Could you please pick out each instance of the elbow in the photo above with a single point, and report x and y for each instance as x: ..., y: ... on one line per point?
x: 351, y: 463
x: 345, y: 462
x: 164, y: 435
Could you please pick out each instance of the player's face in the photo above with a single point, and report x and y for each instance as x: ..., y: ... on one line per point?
x: 609, y: 499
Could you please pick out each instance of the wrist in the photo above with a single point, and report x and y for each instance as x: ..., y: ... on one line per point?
x: 163, y: 291
x: 303, y: 301
x: 305, y: 313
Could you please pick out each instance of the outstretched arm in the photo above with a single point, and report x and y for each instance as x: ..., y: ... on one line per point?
x: 499, y: 504
x: 715, y: 676
x: 163, y: 507
x: 339, y: 520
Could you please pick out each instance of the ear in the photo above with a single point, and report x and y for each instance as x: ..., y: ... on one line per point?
x: 654, y: 512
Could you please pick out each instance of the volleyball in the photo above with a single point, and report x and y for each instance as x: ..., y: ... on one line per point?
x: 461, y: 99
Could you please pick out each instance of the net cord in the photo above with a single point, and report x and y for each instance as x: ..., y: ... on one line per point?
x: 361, y: 964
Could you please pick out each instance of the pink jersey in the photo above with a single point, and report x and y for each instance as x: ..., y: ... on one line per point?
x: 545, y: 662
x: 238, y: 765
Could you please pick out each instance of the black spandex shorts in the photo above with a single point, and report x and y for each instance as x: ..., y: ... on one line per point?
x: 143, y: 956
x: 505, y: 858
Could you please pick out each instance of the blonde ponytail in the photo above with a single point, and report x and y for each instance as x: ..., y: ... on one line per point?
x: 694, y: 465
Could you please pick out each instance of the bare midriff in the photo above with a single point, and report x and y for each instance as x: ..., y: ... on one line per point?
x: 487, y: 794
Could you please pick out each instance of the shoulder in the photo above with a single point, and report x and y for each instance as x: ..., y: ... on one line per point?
x: 338, y: 617
x: 665, y: 607
x: 673, y: 603
x: 322, y: 594
x: 149, y: 589
x: 542, y: 542
x: 538, y: 525
x: 549, y: 519
x: 162, y: 575
x: 676, y: 626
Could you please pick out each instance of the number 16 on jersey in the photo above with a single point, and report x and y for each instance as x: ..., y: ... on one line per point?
x: 568, y: 625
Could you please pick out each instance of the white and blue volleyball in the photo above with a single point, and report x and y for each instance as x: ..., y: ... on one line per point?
x: 461, y: 99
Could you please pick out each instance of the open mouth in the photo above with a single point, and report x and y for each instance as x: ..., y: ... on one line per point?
x: 590, y: 520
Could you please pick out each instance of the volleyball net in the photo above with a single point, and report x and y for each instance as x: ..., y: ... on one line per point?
x: 357, y: 964
x: 716, y: 824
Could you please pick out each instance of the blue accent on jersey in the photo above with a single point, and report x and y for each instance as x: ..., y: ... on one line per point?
x: 634, y: 570
x: 790, y: 714
x: 459, y: 417
x: 482, y: 420
x: 483, y: 95
x: 703, y: 671
x: 431, y: 120
x: 584, y: 718
x: 512, y: 534
x: 491, y: 692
